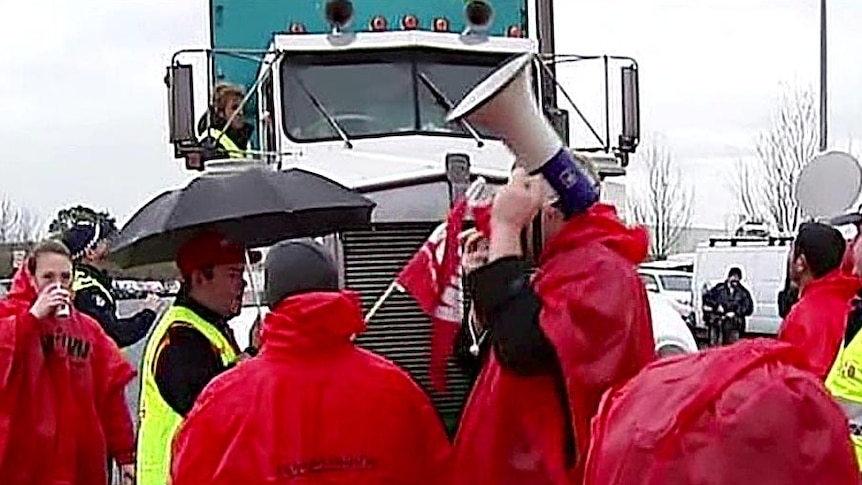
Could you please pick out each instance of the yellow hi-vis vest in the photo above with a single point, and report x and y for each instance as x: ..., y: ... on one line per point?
x: 226, y: 144
x: 159, y: 422
x: 83, y: 281
x: 844, y: 382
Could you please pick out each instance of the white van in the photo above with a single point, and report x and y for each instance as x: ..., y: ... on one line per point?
x: 763, y: 262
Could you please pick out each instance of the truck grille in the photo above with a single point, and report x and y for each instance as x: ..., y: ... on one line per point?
x: 399, y: 331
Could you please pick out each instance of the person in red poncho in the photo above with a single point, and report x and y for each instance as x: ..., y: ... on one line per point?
x: 559, y: 341
x: 748, y: 413
x: 63, y: 408
x: 816, y: 323
x: 312, y: 407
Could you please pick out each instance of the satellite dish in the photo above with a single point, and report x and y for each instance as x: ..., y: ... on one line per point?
x: 829, y: 184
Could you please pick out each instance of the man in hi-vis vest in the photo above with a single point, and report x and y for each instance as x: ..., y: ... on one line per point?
x: 190, y: 345
x: 845, y: 378
x: 220, y: 141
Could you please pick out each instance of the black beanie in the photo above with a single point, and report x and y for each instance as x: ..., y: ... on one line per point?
x: 84, y: 236
x: 298, y: 266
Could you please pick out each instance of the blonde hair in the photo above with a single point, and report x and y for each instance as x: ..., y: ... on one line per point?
x: 223, y: 92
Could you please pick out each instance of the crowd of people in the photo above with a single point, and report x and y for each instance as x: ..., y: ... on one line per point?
x: 569, y: 390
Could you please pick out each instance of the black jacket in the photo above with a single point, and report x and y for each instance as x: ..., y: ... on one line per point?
x: 188, y: 362
x: 102, y: 306
x: 737, y: 300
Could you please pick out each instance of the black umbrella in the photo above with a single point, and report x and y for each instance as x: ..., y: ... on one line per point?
x: 254, y: 207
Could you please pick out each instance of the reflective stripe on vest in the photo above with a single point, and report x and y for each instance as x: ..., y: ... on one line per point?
x: 844, y: 382
x: 159, y: 422
x: 84, y: 281
x: 226, y: 143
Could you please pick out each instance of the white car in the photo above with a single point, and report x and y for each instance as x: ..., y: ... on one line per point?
x: 672, y: 335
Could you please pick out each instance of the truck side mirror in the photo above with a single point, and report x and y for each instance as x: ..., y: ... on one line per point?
x: 631, y: 130
x: 181, y: 107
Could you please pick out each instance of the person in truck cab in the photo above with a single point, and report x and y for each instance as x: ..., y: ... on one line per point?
x: 233, y: 142
x: 93, y: 288
x: 732, y: 304
x: 190, y: 346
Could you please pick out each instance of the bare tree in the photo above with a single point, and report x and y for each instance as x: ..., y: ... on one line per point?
x: 29, y: 226
x: 10, y: 218
x: 767, y: 187
x: 662, y: 200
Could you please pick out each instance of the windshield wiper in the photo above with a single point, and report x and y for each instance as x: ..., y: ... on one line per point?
x: 447, y: 104
x: 323, y: 111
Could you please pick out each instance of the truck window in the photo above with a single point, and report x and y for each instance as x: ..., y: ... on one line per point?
x: 377, y: 93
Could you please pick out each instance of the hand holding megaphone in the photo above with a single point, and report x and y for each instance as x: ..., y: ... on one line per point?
x: 504, y: 104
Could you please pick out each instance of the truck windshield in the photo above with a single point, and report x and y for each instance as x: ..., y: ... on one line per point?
x: 376, y: 93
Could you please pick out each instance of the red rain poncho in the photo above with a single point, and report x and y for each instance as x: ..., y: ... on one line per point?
x: 817, y: 322
x: 312, y: 408
x: 596, y: 315
x: 62, y: 396
x: 741, y: 414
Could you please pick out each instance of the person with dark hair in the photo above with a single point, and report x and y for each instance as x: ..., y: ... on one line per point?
x: 312, y: 407
x: 93, y: 287
x: 731, y: 304
x: 816, y: 323
x: 63, y: 408
x: 190, y: 346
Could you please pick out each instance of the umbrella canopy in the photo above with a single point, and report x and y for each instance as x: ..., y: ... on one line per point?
x: 254, y: 207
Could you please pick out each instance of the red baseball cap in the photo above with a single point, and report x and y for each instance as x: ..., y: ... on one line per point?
x: 211, y: 248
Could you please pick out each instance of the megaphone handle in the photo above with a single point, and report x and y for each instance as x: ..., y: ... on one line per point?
x: 576, y: 189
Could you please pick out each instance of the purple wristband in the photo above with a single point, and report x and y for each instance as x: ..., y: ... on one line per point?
x: 576, y: 189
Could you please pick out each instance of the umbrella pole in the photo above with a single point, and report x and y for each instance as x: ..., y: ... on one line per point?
x: 379, y: 303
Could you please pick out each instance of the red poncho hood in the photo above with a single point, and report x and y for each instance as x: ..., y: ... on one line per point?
x: 595, y: 313
x: 817, y: 322
x: 325, y: 411
x: 62, y: 408
x: 21, y: 295
x: 745, y: 413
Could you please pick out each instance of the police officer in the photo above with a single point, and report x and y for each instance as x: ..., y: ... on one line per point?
x: 93, y: 287
x: 233, y: 142
x: 190, y: 346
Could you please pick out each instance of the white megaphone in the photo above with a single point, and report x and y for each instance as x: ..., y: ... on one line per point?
x: 504, y: 104
x: 829, y: 184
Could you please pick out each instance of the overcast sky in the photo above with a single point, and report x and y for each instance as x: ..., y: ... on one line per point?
x: 83, y: 103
